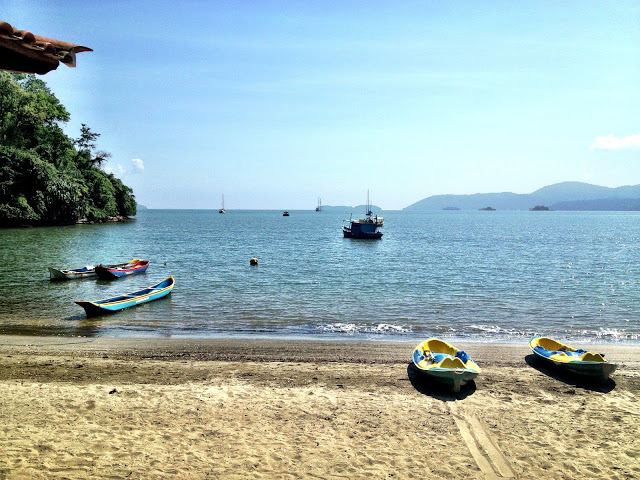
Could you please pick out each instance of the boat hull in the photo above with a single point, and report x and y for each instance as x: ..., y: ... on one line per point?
x: 577, y: 362
x: 128, y: 300
x: 444, y: 364
x: 348, y: 233
x: 109, y: 272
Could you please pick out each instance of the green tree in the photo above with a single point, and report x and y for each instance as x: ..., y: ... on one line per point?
x: 45, y: 176
x: 89, y: 155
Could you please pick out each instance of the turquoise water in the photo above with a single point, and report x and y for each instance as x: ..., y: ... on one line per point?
x: 497, y: 276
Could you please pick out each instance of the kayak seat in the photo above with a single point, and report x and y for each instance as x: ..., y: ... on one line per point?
x: 592, y: 357
x: 451, y: 362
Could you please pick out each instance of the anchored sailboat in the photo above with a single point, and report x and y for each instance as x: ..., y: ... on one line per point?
x: 222, y: 210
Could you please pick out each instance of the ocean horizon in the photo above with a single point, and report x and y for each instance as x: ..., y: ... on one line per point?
x: 501, y: 276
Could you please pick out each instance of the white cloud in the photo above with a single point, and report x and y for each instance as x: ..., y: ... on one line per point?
x: 136, y: 166
x: 610, y: 142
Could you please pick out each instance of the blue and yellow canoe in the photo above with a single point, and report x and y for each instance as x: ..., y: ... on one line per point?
x: 577, y: 361
x: 112, y: 305
x: 444, y: 363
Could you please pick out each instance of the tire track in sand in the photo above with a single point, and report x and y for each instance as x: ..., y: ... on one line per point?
x: 490, y: 460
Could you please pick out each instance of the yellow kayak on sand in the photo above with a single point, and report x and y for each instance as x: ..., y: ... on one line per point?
x: 576, y: 361
x: 445, y: 363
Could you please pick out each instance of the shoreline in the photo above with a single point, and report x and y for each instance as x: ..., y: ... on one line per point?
x: 230, y: 408
x: 267, y: 348
x: 576, y: 341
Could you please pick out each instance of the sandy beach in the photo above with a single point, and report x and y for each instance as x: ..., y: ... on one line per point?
x: 142, y: 408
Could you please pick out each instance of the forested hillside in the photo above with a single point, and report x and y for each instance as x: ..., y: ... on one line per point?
x: 45, y: 176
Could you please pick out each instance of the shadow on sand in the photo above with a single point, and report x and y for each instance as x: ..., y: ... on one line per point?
x: 426, y: 386
x: 558, y: 373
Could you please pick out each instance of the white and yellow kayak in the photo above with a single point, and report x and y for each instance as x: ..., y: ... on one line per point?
x: 576, y: 361
x: 445, y: 363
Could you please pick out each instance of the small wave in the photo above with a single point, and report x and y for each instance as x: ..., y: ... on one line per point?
x: 608, y: 334
x: 497, y: 330
x: 355, y: 329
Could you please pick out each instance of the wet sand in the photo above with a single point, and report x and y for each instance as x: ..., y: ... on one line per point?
x: 115, y: 408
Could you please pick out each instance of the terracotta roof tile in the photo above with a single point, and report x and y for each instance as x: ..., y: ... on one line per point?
x: 22, y: 51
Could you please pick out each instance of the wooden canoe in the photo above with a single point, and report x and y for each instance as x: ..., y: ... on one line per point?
x: 110, y: 272
x: 72, y: 273
x: 84, y: 272
x: 115, y: 304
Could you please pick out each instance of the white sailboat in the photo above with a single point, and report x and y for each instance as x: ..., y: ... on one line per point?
x: 222, y: 210
x: 319, y: 207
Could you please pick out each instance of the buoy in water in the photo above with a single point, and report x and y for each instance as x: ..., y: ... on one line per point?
x: 253, y: 261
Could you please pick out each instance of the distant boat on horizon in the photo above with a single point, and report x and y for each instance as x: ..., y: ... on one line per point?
x: 222, y: 210
x: 319, y: 207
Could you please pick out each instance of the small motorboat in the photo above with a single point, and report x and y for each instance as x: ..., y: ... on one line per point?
x: 285, y: 213
x: 111, y: 272
x: 445, y: 363
x: 72, y: 273
x: 115, y: 304
x: 577, y: 361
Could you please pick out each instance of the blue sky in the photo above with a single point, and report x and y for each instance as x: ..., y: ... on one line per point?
x: 275, y: 104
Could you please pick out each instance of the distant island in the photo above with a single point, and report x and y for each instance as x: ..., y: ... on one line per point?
x: 451, y: 208
x: 487, y: 209
x: 539, y: 208
x: 577, y: 196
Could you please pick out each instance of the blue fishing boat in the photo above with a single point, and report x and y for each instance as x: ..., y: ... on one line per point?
x: 444, y: 363
x: 115, y: 304
x: 366, y: 227
x: 576, y: 361
x: 111, y: 272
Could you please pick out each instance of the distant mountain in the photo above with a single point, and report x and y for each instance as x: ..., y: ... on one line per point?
x: 560, y: 196
x: 345, y: 208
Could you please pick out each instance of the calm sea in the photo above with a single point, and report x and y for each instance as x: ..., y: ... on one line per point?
x: 481, y: 276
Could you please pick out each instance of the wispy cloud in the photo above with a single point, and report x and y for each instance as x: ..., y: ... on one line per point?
x: 135, y: 166
x: 138, y: 165
x: 611, y: 142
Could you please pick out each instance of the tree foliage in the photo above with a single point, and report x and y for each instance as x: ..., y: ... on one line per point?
x: 45, y: 176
